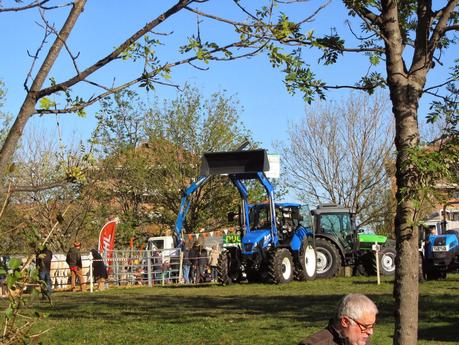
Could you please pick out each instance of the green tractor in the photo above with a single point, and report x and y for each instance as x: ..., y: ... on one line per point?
x: 339, y: 244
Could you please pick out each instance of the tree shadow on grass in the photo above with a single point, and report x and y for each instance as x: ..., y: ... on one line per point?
x: 371, y: 282
x: 439, y: 308
x: 310, y: 309
x: 165, y: 305
x: 440, y: 333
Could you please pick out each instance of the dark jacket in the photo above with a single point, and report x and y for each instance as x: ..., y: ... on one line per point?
x: 98, y: 267
x: 43, y: 260
x: 194, y: 256
x: 327, y: 336
x: 74, y: 257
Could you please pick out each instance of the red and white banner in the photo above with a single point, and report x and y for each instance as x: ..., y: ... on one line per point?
x: 107, y: 238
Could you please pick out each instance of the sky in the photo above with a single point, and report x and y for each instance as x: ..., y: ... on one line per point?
x: 267, y: 107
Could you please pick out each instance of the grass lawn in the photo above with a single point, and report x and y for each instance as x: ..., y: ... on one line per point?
x: 238, y: 314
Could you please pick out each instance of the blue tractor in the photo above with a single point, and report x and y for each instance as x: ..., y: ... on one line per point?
x: 277, y: 240
x: 440, y: 251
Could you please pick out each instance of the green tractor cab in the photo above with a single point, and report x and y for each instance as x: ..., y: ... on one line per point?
x: 339, y: 244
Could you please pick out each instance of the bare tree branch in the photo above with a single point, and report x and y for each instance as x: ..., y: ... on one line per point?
x: 115, y: 53
x: 347, y: 148
x: 26, y: 7
x: 439, y: 31
x: 39, y: 188
x: 34, y: 59
x: 452, y: 28
x: 52, y: 29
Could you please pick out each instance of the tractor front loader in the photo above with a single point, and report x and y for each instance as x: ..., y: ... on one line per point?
x: 274, y: 249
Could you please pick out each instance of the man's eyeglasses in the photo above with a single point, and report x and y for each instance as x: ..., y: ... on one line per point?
x: 363, y: 327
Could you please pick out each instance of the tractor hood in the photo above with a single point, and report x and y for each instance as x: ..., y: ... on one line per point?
x: 254, y: 241
x: 372, y: 238
x: 449, y: 240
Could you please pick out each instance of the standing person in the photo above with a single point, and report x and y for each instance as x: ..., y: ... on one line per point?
x: 214, y: 254
x: 157, y: 262
x: 99, y: 271
x: 432, y: 231
x: 353, y: 323
x: 203, y: 262
x: 76, y: 267
x: 43, y: 260
x: 194, y: 257
x: 186, y: 265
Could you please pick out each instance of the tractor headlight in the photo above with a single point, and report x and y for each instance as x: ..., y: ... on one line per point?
x: 440, y: 248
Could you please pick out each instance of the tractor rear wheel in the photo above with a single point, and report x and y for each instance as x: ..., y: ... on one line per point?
x: 222, y: 269
x: 280, y: 266
x: 306, y: 267
x: 328, y: 259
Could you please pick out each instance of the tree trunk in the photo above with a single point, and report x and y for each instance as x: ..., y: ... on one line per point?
x: 14, y: 134
x: 405, y: 94
x: 28, y: 107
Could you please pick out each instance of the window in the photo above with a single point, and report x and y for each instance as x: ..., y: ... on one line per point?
x: 259, y: 218
x: 158, y: 244
x: 336, y: 224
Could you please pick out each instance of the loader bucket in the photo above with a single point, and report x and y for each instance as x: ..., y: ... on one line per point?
x: 234, y: 162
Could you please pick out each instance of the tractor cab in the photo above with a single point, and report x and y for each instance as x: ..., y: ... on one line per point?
x: 337, y: 222
x: 289, y: 217
x: 337, y: 240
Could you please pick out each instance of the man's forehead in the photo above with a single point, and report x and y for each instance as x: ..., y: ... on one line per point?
x: 368, y: 318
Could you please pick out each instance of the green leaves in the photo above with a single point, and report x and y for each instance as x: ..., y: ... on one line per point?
x: 331, y: 46
x: 372, y: 81
x: 375, y: 59
x: 14, y: 263
x: 9, y: 312
x: 285, y: 29
x: 144, y: 51
x: 204, y: 51
x: 75, y: 174
x: 46, y: 103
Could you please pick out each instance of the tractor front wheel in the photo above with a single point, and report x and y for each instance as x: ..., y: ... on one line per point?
x: 280, y: 266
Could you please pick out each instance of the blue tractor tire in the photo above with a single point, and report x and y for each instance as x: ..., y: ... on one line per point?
x: 280, y: 266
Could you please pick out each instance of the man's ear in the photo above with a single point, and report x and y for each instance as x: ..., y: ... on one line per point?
x: 344, y: 322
